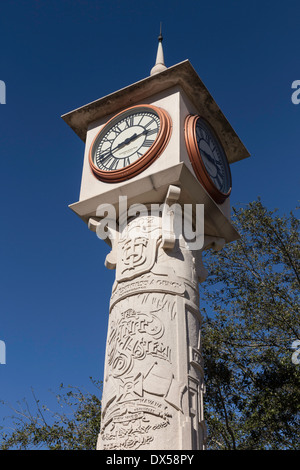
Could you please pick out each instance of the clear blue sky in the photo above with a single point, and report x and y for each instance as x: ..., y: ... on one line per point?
x: 59, y: 55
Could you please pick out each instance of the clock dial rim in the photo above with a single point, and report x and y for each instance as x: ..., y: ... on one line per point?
x: 197, y: 160
x: 153, y: 152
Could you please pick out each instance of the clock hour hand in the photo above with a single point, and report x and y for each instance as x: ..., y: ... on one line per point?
x: 111, y: 150
x: 125, y: 142
x: 130, y: 139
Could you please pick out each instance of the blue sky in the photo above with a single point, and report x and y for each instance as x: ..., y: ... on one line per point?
x: 59, y: 55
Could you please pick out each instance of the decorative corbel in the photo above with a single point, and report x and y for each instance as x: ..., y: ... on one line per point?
x: 216, y: 244
x: 168, y: 234
x: 95, y: 224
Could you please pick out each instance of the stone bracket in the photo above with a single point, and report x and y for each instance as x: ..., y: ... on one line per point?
x: 168, y: 235
x: 94, y: 224
x: 216, y: 244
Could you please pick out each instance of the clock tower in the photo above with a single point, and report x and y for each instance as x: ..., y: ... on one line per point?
x: 156, y: 186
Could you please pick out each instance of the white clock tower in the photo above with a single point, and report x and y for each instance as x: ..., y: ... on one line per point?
x: 164, y: 144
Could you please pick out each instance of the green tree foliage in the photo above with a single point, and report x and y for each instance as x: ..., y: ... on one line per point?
x: 74, y: 427
x: 252, y: 396
x: 250, y: 304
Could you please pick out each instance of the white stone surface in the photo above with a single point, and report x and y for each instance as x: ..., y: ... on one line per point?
x: 153, y: 378
x: 160, y: 60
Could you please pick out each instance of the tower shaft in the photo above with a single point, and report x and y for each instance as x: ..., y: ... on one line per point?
x: 153, y: 379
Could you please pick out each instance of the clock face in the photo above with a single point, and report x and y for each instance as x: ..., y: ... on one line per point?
x: 208, y: 158
x: 213, y: 157
x: 129, y: 142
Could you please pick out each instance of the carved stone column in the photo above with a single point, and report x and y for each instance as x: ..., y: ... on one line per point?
x: 153, y: 378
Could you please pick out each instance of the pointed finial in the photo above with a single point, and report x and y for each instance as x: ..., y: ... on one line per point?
x: 160, y: 38
x: 160, y: 62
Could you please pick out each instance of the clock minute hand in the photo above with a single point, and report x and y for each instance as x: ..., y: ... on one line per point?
x: 145, y: 132
x: 136, y: 136
x: 105, y: 154
x: 133, y: 137
x: 208, y: 156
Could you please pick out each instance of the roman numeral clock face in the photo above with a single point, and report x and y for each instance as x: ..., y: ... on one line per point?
x: 208, y: 158
x: 129, y: 143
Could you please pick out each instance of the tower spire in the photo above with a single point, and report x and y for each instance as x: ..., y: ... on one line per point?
x: 160, y: 62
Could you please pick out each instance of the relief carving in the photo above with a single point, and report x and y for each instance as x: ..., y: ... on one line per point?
x: 133, y: 335
x: 150, y: 385
x: 134, y: 416
x: 137, y: 247
x: 140, y: 389
x: 146, y: 283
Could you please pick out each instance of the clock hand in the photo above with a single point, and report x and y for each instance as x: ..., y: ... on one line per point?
x: 105, y: 154
x: 125, y: 142
x: 136, y: 136
x: 133, y: 137
x: 128, y: 140
x: 111, y: 150
x: 208, y: 156
x: 122, y: 144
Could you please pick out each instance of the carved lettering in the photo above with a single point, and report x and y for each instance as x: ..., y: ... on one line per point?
x: 147, y: 284
x: 134, y: 335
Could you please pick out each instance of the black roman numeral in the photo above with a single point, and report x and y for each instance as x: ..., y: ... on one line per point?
x: 148, y: 143
x: 152, y: 131
x: 129, y: 121
x: 117, y: 129
x: 126, y: 161
x: 107, y: 139
x: 113, y: 164
x: 102, y: 159
x: 218, y: 178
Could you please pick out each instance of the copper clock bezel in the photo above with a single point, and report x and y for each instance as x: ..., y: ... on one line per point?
x: 196, y: 158
x: 145, y: 160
